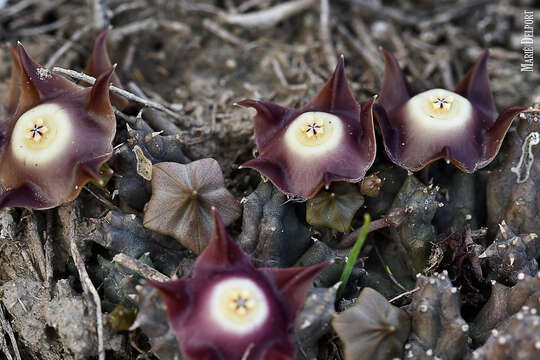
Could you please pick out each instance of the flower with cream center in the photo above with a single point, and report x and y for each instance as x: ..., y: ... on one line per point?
x: 330, y: 139
x: 238, y: 305
x: 55, y: 137
x: 460, y: 126
x: 228, y: 308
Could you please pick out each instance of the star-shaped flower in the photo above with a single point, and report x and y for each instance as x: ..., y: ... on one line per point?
x: 228, y: 309
x: 330, y: 139
x: 460, y: 126
x: 56, y: 135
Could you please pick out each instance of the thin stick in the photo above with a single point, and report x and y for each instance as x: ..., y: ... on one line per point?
x: 88, y: 287
x: 132, y: 97
x: 140, y: 268
x: 324, y: 33
x: 33, y: 31
x: 7, y: 328
x: 406, y: 293
x: 359, y: 48
x: 386, y: 268
x: 3, y: 344
x: 223, y: 34
x: 394, y: 218
x: 268, y: 18
x: 67, y: 45
x: 99, y: 12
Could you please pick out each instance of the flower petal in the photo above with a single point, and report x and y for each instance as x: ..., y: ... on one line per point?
x: 395, y: 89
x: 176, y: 298
x: 495, y: 135
x: 41, y: 80
x: 336, y: 95
x: 100, y: 62
x: 98, y: 102
x: 475, y: 87
x: 268, y: 119
x: 293, y: 284
x: 221, y: 253
x: 22, y: 94
x: 24, y: 196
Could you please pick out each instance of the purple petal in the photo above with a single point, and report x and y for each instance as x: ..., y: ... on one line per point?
x: 495, y: 135
x: 293, y: 284
x: 336, y: 95
x: 270, y: 117
x: 475, y: 87
x: 41, y: 80
x: 99, y: 63
x: 221, y: 253
x: 176, y: 299
x: 395, y: 89
x: 24, y: 196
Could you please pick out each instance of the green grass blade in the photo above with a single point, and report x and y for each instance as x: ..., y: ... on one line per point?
x: 353, y: 255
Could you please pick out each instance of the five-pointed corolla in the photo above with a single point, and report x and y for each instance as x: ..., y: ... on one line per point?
x: 55, y: 137
x: 330, y: 139
x: 460, y: 126
x: 228, y: 309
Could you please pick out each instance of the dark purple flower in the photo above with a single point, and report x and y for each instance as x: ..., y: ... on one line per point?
x: 56, y: 135
x: 330, y: 139
x: 461, y: 126
x: 230, y: 310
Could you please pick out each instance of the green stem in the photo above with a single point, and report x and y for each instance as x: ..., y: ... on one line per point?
x: 353, y: 255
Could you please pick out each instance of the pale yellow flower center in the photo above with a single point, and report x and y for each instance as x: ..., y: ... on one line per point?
x: 314, y: 133
x: 441, y: 102
x: 238, y: 305
x: 41, y: 134
x: 438, y: 110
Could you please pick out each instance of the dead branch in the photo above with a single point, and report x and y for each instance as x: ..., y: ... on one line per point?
x: 147, y: 25
x: 132, y: 97
x: 5, y: 325
x: 324, y: 33
x: 140, y: 268
x: 223, y: 34
x: 87, y: 285
x: 99, y: 13
x: 67, y: 45
x: 268, y: 18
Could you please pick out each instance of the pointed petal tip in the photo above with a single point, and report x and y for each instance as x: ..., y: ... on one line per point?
x: 99, y: 96
x: 247, y: 103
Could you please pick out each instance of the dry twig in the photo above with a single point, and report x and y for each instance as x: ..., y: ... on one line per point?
x: 99, y: 13
x: 89, y: 288
x: 132, y: 97
x: 140, y: 268
x: 268, y: 18
x: 223, y: 34
x: 324, y: 33
x: 4, y: 324
x: 67, y: 45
